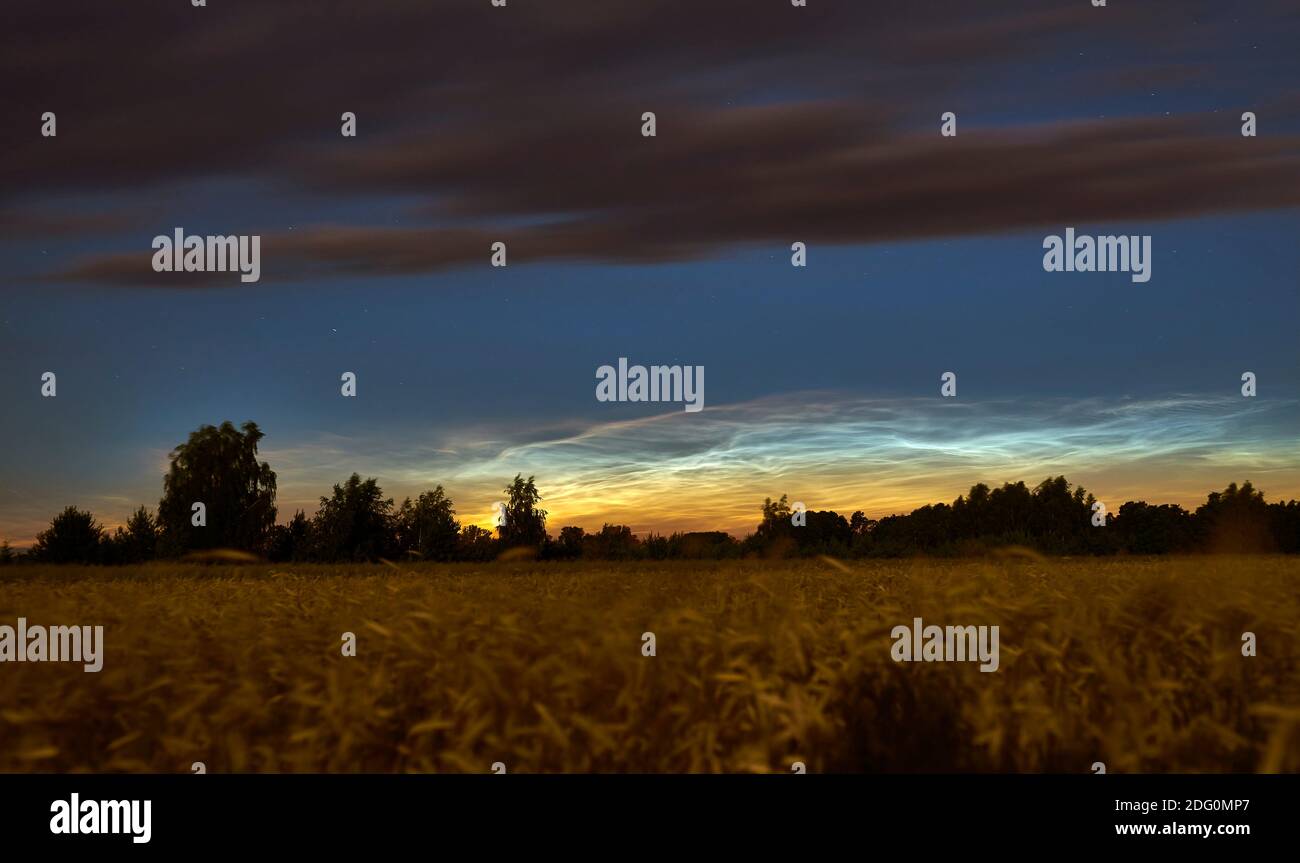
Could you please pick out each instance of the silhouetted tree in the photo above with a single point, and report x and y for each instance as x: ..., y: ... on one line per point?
x: 525, y: 523
x: 656, y: 546
x: 6, y: 553
x: 1059, y: 519
x: 358, y: 523
x: 614, y: 542
x: 1145, y: 529
x: 355, y: 523
x: 428, y: 528
x: 113, y: 548
x: 218, y: 467
x: 72, y: 537
x: 569, y: 545
x: 863, y: 530
x: 1284, y: 522
x: 139, y: 541
x: 776, y: 518
x: 772, y: 537
x: 476, y: 544
x: 703, y: 545
x: 821, y: 531
x: 824, y: 532
x: 290, y: 541
x: 1235, y: 520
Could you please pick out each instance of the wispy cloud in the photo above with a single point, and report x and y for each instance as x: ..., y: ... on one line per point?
x: 830, y: 450
x: 500, y: 140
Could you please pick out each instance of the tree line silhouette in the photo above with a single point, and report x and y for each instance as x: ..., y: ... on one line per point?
x: 218, y: 467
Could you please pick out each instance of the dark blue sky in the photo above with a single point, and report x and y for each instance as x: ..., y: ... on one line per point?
x: 925, y: 254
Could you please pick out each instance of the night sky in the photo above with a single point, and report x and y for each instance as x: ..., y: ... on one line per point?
x: 776, y: 125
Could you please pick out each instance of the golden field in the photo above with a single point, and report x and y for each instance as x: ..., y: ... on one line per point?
x: 1136, y: 663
